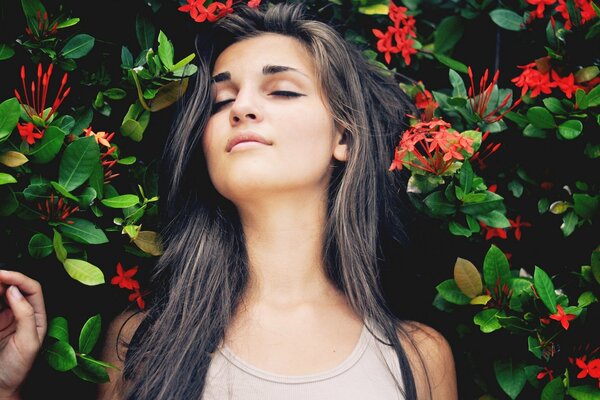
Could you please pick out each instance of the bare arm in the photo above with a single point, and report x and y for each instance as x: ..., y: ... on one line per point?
x: 432, y: 361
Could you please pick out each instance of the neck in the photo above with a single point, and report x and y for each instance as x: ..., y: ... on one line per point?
x: 284, y: 240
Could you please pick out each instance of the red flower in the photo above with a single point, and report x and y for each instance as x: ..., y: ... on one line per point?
x: 541, y: 7
x: 44, y: 27
x: 138, y: 298
x: 432, y: 146
x: 517, y: 225
x: 566, y: 83
x: 254, y: 3
x: 401, y: 32
x: 481, y: 155
x: 480, y: 102
x: 55, y: 211
x: 544, y: 372
x: 535, y: 77
x: 562, y: 317
x: 491, y: 232
x: 35, y: 105
x: 27, y: 132
x: 125, y: 278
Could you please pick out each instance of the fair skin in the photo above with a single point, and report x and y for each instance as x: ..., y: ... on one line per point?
x: 292, y: 320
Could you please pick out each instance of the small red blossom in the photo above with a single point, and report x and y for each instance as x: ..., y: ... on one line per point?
x: 55, y: 211
x: 545, y: 372
x: 214, y: 11
x: 535, y: 79
x: 562, y: 317
x: 517, y: 224
x: 491, y: 232
x: 42, y: 27
x: 484, y: 152
x: 500, y: 296
x: 29, y: 132
x: 125, y: 278
x: 104, y: 139
x: 138, y: 297
x: 254, y: 3
x: 566, y: 84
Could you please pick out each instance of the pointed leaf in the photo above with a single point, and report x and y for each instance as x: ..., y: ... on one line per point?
x: 9, y: 117
x: 144, y: 31
x: 507, y: 19
x: 123, y: 201
x: 13, y: 159
x: 40, y: 246
x: 585, y: 392
x: 91, y: 370
x: 61, y: 356
x: 78, y: 162
x: 48, y: 147
x: 496, y: 269
x: 148, y: 241
x: 511, y: 377
x: 467, y: 278
x: 78, y: 46
x: 554, y: 390
x: 59, y: 249
x: 487, y: 320
x: 83, y: 231
x: 89, y: 334
x: 165, y: 50
x: 84, y: 272
x: 451, y: 293
x: 544, y: 289
x: 6, y: 178
x: 6, y: 52
x: 58, y: 328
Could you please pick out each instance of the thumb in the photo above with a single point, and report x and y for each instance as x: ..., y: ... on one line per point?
x: 23, y: 312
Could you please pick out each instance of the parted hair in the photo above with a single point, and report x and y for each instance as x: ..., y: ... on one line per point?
x: 201, y: 276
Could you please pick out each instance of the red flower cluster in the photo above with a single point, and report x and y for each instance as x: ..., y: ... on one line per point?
x: 482, y: 154
x: 401, y: 32
x: 103, y: 139
x: 57, y: 211
x: 214, y: 11
x: 539, y: 77
x: 584, y: 7
x: 432, y: 146
x: 35, y: 105
x: 124, y: 279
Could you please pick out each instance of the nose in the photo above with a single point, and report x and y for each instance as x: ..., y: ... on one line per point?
x: 245, y: 108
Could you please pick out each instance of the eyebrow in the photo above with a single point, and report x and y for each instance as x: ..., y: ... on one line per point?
x: 266, y: 70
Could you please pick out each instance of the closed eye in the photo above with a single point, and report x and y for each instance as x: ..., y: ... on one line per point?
x: 217, y: 106
x: 285, y: 93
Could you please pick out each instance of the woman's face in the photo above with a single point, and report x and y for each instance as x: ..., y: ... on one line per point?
x: 270, y: 131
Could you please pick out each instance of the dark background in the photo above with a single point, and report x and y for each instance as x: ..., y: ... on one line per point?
x: 414, y: 270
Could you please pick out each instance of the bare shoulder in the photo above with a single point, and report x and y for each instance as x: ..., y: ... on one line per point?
x: 432, y: 360
x: 118, y: 335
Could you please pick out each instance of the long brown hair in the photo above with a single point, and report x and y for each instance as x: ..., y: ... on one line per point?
x: 203, y: 272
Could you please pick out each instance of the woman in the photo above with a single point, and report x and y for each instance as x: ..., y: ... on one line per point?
x: 276, y: 197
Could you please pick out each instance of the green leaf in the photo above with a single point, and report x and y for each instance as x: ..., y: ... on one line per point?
x: 31, y: 8
x: 541, y: 118
x: 495, y: 219
x: 39, y: 246
x: 165, y: 50
x: 59, y: 249
x: 458, y: 85
x: 450, y: 292
x: 570, y: 220
x: 123, y: 201
x: 83, y: 121
x: 534, y: 346
x: 61, y: 356
x: 48, y: 147
x: 554, y: 105
x: 451, y: 63
x: 144, y: 31
x: 84, y: 272
x: 68, y: 23
x: 78, y: 46
x: 89, y: 334
x: 516, y: 188
x: 514, y: 324
x: 374, y: 9
x: 459, y: 230
x: 570, y: 129
x: 437, y: 203
x: 58, y: 328
x: 466, y: 177
x: 585, y: 392
x: 62, y: 191
x: 83, y: 231
x: 496, y: 269
x: 510, y: 376
x: 6, y: 52
x: 91, y: 370
x: 10, y: 110
x: 585, y: 299
x: 554, y: 390
x: 545, y: 289
x: 507, y: 19
x: 487, y: 321
x: 533, y: 132
x: 115, y: 93
x: 485, y: 204
x: 6, y: 178
x: 183, y: 62
x: 97, y: 180
x: 593, y: 97
x: 78, y: 162
x: 126, y: 58
x: 448, y: 34
x: 586, y: 206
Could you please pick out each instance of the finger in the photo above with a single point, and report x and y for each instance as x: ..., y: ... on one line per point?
x: 31, y: 289
x: 24, y: 315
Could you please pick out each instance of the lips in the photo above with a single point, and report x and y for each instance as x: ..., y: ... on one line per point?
x: 245, y: 137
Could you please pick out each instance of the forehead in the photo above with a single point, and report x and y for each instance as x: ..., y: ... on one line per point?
x: 266, y: 49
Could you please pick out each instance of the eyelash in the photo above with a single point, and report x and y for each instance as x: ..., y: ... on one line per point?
x: 282, y: 93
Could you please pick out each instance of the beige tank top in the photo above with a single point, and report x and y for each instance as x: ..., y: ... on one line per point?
x: 367, y: 373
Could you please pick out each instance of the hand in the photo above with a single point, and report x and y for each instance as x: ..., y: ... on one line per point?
x: 22, y: 329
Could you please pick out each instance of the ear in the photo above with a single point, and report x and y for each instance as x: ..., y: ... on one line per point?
x: 340, y: 151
